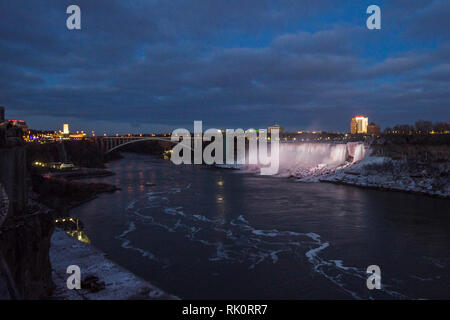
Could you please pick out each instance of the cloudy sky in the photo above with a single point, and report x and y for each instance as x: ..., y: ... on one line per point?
x: 143, y: 66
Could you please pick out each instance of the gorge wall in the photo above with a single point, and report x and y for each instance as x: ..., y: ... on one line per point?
x: 26, y: 227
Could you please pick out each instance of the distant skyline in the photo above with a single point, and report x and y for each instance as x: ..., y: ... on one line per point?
x: 144, y: 66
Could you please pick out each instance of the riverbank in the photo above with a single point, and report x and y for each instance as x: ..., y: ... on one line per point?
x: 101, y: 278
x: 81, y: 173
x: 431, y: 179
x: 63, y: 194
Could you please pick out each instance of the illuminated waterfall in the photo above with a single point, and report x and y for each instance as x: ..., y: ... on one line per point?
x: 360, y: 152
x: 315, y: 159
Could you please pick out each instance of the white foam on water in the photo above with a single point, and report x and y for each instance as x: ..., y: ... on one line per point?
x: 221, y: 253
x: 154, y: 196
x: 311, y: 254
x: 201, y: 218
x: 131, y: 228
x: 175, y: 190
x: 236, y: 241
x: 131, y: 205
x: 339, y: 264
x: 126, y: 244
x: 174, y: 211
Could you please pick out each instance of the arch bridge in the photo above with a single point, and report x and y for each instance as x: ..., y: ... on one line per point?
x: 109, y: 144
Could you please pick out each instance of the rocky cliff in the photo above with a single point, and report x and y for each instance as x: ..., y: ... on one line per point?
x: 26, y: 227
x: 81, y: 153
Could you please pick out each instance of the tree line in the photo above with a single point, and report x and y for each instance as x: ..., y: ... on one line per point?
x: 419, y: 127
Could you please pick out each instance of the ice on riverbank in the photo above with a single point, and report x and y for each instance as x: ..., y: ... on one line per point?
x: 397, y: 175
x: 119, y: 284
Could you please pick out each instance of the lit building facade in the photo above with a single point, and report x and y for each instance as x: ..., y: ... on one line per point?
x: 359, y: 125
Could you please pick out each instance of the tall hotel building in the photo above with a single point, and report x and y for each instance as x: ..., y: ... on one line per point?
x: 359, y: 125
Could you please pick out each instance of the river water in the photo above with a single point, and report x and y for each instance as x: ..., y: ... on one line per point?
x: 204, y: 233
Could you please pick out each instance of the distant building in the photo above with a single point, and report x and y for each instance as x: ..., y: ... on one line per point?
x: 359, y: 125
x: 19, y: 123
x: 66, y: 128
x: 373, y: 129
x: 276, y: 127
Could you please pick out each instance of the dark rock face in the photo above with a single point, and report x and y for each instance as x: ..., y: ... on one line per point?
x: 62, y: 194
x: 24, y: 234
x: 4, y: 205
x: 81, y: 153
x: 25, y: 246
x: 4, y: 270
x: 13, y: 177
x: 85, y: 154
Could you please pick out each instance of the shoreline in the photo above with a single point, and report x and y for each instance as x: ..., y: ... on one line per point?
x: 355, y: 175
x: 114, y: 281
x: 102, y: 279
x: 82, y: 173
x: 385, y: 174
x: 383, y: 188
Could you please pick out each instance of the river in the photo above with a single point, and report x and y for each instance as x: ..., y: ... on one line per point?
x: 204, y: 233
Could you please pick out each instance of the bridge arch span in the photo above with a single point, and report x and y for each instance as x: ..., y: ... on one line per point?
x: 139, y: 140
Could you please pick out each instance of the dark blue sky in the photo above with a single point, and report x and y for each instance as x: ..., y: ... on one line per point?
x: 143, y: 66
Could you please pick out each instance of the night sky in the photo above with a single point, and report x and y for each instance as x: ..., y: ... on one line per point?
x: 145, y: 66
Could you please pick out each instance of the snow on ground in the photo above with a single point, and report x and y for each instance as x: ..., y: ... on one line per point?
x: 120, y: 284
x: 387, y: 174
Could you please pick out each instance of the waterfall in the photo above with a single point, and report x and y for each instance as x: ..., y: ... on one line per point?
x: 307, y: 158
x: 360, y: 152
x: 315, y: 159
